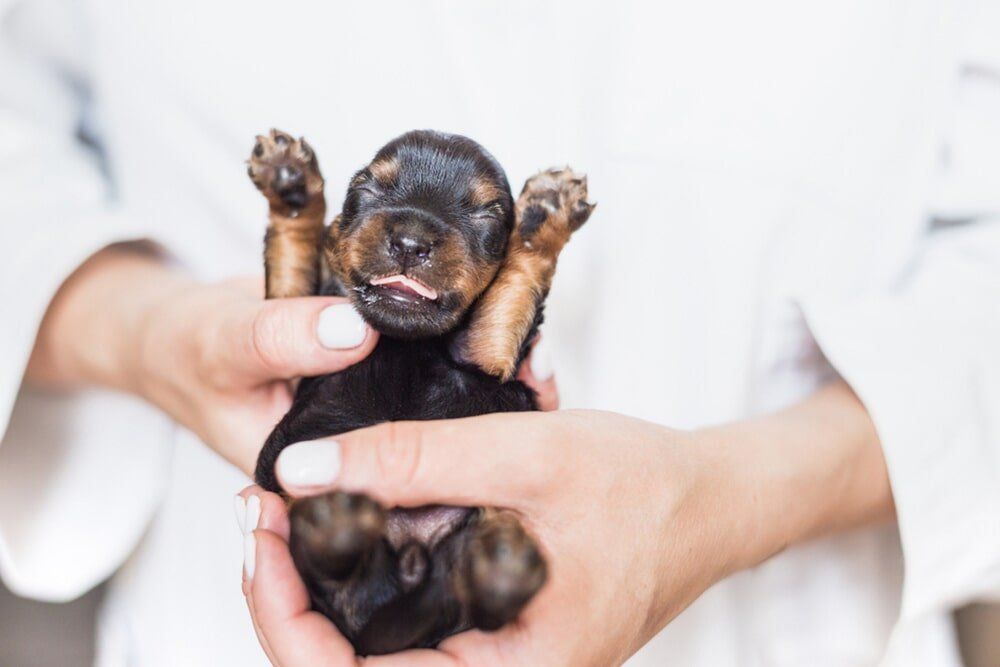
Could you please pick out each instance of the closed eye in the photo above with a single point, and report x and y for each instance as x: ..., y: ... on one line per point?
x: 493, y: 209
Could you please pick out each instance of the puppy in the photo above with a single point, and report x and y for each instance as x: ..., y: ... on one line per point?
x: 435, y: 254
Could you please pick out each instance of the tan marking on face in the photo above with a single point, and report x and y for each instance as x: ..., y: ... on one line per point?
x: 484, y: 191
x: 384, y: 171
x: 456, y: 270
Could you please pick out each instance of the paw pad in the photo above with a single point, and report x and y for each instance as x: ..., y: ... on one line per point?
x: 285, y: 170
x: 556, y: 198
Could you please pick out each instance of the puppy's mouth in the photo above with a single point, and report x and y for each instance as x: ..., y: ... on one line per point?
x: 404, y: 289
x: 405, y: 307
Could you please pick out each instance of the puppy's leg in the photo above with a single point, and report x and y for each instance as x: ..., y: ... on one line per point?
x: 552, y: 205
x: 501, y: 570
x: 332, y: 533
x: 286, y: 171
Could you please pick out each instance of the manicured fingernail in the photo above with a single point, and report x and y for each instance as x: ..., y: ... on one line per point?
x: 541, y: 360
x: 240, y: 507
x: 311, y: 463
x: 340, y: 327
x: 249, y: 554
x: 253, y: 514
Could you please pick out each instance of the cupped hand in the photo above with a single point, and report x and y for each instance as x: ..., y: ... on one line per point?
x: 615, y: 503
x: 220, y: 359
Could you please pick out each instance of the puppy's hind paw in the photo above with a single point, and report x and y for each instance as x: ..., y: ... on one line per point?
x: 333, y: 532
x: 285, y: 170
x: 503, y: 571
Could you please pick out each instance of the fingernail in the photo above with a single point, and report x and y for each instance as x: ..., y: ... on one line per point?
x: 253, y: 514
x: 541, y: 360
x: 240, y: 507
x: 249, y: 554
x: 311, y: 463
x: 340, y: 327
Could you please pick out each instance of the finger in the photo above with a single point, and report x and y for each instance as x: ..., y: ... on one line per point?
x: 415, y: 658
x: 261, y: 639
x: 538, y: 374
x: 272, y: 514
x: 296, y: 635
x: 500, y: 460
x: 288, y: 338
x: 468, y: 648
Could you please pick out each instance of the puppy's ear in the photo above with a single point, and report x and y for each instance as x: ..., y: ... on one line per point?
x: 552, y: 205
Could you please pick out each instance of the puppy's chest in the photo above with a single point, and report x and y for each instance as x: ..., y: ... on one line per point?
x: 418, y: 380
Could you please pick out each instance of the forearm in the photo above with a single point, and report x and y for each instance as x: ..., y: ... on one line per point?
x: 813, y: 469
x: 91, y: 332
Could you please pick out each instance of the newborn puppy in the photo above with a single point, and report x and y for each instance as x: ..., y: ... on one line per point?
x: 435, y: 254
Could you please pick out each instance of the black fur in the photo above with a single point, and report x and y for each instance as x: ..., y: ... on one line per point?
x: 391, y: 600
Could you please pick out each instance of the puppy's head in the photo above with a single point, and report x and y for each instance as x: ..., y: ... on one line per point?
x: 423, y: 230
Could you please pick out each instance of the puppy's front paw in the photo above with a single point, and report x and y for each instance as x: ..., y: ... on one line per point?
x: 503, y: 570
x: 285, y: 170
x: 333, y: 532
x: 552, y: 205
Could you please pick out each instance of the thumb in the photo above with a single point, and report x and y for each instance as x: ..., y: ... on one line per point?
x: 289, y: 338
x: 465, y: 462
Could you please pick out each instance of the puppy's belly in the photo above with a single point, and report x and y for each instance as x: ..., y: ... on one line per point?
x: 426, y: 525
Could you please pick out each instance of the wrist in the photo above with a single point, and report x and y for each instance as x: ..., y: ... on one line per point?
x: 813, y: 469
x: 92, y: 332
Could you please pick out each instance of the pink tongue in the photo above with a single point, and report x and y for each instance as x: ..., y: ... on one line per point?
x: 408, y: 284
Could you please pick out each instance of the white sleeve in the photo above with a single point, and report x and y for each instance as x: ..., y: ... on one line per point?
x: 79, y: 474
x: 924, y: 357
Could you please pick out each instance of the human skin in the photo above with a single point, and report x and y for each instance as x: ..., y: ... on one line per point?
x: 218, y: 358
x: 636, y: 519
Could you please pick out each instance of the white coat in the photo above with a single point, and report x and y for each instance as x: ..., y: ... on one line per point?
x: 787, y: 189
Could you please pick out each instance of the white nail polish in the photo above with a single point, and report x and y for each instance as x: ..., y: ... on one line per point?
x: 340, y: 327
x: 249, y: 554
x: 253, y: 514
x: 311, y: 463
x: 541, y: 360
x: 240, y: 507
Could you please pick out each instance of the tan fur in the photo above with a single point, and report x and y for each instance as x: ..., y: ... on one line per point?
x: 291, y: 257
x: 292, y: 241
x: 503, y: 317
x: 384, y: 171
x: 484, y: 191
x: 360, y: 249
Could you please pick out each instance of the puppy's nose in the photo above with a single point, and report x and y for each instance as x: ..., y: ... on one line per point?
x: 410, y: 248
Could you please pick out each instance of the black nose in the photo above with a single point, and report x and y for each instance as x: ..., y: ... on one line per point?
x: 409, y: 247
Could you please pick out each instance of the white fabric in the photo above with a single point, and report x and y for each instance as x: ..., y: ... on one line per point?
x: 766, y: 174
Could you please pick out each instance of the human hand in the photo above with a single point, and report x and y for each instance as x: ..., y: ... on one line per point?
x: 219, y: 359
x: 635, y: 520
x: 594, y: 507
